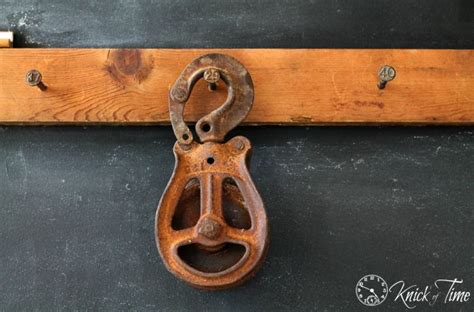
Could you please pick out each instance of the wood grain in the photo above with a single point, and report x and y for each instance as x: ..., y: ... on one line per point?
x: 292, y: 86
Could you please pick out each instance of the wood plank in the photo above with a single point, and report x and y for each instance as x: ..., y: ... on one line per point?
x: 292, y: 86
x: 6, y: 39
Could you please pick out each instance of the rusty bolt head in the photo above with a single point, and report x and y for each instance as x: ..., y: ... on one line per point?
x: 186, y: 147
x: 209, y: 228
x: 212, y: 75
x: 179, y: 94
x: 33, y: 78
x: 239, y: 145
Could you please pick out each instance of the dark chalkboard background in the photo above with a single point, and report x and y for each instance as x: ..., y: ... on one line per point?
x: 77, y: 204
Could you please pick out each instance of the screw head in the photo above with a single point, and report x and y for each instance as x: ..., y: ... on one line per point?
x: 33, y: 78
x: 387, y: 73
x: 212, y: 75
x: 209, y: 228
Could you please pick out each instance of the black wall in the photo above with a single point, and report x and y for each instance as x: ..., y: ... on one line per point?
x: 77, y: 204
x: 243, y: 24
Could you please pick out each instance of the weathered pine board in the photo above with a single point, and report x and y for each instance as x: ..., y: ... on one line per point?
x: 292, y: 86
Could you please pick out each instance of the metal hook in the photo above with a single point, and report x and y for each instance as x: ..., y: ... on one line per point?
x: 386, y: 73
x: 34, y: 79
x: 214, y: 126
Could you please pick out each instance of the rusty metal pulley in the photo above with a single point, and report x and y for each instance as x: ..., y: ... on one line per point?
x: 211, y: 225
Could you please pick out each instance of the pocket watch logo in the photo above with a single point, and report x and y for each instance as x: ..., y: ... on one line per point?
x: 371, y: 290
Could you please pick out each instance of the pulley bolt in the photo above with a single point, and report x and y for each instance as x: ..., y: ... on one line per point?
x: 386, y: 73
x: 212, y: 76
x: 209, y: 228
x: 33, y: 79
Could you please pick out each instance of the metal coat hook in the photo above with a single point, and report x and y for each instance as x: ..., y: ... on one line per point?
x: 386, y: 73
x: 34, y: 79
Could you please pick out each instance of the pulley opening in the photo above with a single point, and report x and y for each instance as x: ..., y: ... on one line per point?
x: 188, y: 209
x: 211, y: 261
x: 234, y: 207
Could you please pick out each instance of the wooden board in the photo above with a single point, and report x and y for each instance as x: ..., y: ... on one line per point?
x: 292, y: 86
x: 6, y: 39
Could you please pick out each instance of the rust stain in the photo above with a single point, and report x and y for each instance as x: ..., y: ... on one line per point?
x: 128, y: 66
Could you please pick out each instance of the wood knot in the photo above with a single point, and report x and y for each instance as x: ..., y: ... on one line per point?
x: 128, y: 66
